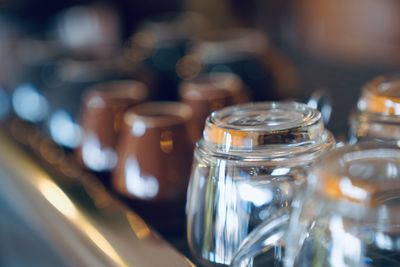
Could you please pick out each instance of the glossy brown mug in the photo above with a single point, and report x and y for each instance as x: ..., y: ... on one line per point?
x: 154, y: 153
x: 209, y: 92
x: 101, y: 119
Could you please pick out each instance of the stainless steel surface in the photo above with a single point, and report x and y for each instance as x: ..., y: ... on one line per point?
x: 71, y: 211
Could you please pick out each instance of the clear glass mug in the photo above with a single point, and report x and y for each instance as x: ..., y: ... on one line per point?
x: 378, y: 111
x: 248, y: 166
x: 348, y: 215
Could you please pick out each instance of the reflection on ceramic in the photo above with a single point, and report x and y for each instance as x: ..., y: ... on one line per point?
x: 249, y: 165
x: 95, y: 157
x: 348, y: 215
x: 145, y: 187
x: 377, y: 114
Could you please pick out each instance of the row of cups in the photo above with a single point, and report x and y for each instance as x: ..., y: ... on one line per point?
x: 140, y: 149
x: 162, y: 53
x: 252, y: 189
x: 149, y: 145
x: 250, y: 163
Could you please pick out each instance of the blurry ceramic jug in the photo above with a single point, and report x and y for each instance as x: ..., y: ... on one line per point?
x: 154, y: 160
x: 101, y: 120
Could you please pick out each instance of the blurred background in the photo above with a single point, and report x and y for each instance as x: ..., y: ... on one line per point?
x: 52, y: 51
x: 337, y: 46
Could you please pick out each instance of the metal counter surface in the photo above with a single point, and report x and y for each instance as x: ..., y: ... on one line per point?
x: 67, y: 219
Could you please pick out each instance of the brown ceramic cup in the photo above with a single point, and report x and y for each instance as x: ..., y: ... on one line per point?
x: 101, y: 119
x: 154, y: 153
x: 209, y: 92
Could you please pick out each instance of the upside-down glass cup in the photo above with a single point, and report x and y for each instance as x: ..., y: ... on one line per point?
x: 348, y: 215
x: 209, y: 92
x: 249, y: 165
x: 101, y: 120
x: 378, y: 111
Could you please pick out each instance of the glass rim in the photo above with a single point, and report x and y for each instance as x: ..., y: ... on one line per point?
x: 158, y: 114
x: 270, y: 156
x: 350, y: 173
x: 251, y: 125
x: 201, y: 86
x: 117, y: 91
x: 381, y: 96
x: 310, y: 116
x: 265, y: 131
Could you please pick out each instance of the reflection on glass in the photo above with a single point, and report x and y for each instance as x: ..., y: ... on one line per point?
x: 29, y: 104
x: 254, y: 194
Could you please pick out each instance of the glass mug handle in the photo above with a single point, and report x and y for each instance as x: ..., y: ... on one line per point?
x: 321, y: 100
x: 263, y: 238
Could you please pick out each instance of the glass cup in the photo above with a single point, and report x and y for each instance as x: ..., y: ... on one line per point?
x: 348, y: 215
x: 101, y: 120
x: 247, y: 53
x: 156, y: 48
x: 154, y: 159
x: 249, y: 165
x: 378, y: 111
x: 209, y: 92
